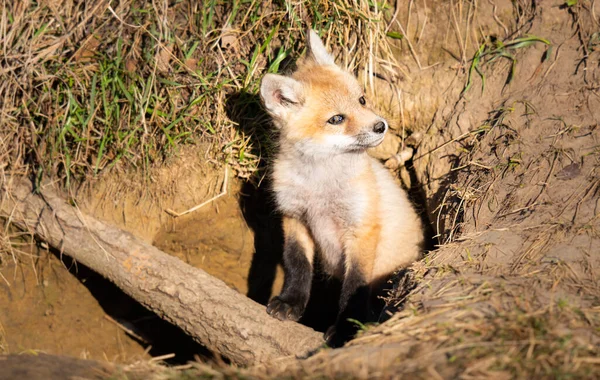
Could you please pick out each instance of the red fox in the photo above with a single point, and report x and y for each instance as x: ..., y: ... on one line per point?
x: 337, y: 202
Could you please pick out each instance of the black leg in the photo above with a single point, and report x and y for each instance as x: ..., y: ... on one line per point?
x: 354, y: 305
x: 290, y: 304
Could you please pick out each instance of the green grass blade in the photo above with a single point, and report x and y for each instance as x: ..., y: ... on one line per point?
x: 395, y: 35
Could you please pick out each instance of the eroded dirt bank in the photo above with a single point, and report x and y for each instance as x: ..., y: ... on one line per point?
x: 57, y: 306
x: 511, y: 175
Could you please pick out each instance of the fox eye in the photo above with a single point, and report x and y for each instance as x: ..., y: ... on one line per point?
x: 337, y: 119
x: 362, y: 100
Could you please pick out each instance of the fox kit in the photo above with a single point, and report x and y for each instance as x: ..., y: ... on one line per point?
x: 337, y: 202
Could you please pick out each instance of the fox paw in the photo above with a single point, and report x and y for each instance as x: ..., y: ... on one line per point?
x: 340, y: 333
x: 285, y: 310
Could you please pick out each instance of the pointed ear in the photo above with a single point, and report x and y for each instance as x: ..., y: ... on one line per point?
x: 316, y: 50
x: 281, y: 94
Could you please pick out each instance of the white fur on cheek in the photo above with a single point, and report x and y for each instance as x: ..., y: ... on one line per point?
x: 326, y: 145
x: 339, y: 141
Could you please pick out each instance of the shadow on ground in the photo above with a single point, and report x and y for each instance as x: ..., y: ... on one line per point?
x: 150, y: 330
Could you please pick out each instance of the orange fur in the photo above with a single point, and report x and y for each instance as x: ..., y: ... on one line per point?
x: 328, y: 94
x: 296, y: 229
x: 362, y: 241
x: 337, y: 201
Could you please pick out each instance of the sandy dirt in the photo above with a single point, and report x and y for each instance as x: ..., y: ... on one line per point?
x: 65, y: 309
x: 216, y: 239
x: 45, y: 308
x: 510, y: 174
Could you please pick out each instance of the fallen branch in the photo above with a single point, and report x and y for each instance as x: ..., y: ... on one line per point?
x: 204, y: 307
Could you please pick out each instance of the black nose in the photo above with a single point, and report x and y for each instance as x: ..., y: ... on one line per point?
x: 379, y: 127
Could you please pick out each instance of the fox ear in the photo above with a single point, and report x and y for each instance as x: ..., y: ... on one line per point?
x: 316, y: 50
x: 280, y: 94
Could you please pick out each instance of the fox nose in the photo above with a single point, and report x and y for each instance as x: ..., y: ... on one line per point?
x: 379, y: 127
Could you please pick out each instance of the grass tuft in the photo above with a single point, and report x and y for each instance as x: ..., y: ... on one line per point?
x: 491, y: 51
x: 96, y: 86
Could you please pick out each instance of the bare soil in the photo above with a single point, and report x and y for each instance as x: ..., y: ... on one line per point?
x: 63, y: 308
x: 44, y: 307
x: 510, y: 175
x: 216, y: 239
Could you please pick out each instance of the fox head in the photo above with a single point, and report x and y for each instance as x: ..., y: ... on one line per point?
x: 321, y: 108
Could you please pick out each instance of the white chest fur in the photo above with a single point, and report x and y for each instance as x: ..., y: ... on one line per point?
x: 324, y: 194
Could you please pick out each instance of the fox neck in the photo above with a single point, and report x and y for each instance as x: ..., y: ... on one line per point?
x: 317, y: 170
x: 311, y: 154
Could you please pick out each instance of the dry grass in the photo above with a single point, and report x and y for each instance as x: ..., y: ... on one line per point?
x: 92, y: 88
x: 128, y: 84
x: 480, y: 324
x: 88, y: 87
x: 4, y: 349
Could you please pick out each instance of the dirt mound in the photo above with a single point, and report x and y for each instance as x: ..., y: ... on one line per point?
x: 45, y: 307
x: 511, y: 173
x: 47, y: 367
x: 508, y: 163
